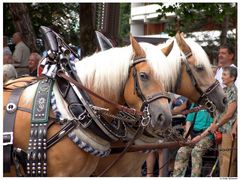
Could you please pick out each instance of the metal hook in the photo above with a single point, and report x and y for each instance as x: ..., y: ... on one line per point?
x: 146, y: 118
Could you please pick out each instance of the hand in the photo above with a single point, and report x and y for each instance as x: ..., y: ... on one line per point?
x: 213, y: 127
x: 195, y: 140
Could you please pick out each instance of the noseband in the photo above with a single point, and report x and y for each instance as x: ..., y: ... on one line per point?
x: 146, y: 100
x: 203, y: 99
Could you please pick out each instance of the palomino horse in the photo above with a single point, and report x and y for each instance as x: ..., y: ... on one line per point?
x: 197, y: 84
x: 192, y: 75
x: 113, y: 75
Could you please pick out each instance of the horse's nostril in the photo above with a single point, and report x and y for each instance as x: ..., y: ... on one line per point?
x: 160, y: 118
x: 224, y: 100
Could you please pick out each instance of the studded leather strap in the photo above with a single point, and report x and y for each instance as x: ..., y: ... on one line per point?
x: 37, y: 147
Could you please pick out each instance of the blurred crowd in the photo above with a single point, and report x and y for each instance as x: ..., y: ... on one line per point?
x: 20, y: 62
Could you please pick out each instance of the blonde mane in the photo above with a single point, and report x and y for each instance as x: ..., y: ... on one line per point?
x: 105, y: 72
x: 174, y: 59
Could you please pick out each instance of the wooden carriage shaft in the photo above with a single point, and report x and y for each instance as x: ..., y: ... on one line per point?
x: 135, y: 148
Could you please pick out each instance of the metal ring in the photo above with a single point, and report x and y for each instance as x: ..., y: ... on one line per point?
x: 11, y: 107
x: 145, y: 121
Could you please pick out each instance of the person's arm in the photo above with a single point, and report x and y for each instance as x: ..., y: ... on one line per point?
x: 214, y: 120
x: 179, y: 109
x: 205, y: 133
x: 200, y: 136
x: 231, y: 108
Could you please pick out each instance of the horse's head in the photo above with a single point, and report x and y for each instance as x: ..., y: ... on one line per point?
x: 144, y: 91
x: 194, y: 78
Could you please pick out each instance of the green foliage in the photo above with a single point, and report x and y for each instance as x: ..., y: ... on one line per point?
x: 63, y: 15
x: 192, y: 16
x: 125, y: 9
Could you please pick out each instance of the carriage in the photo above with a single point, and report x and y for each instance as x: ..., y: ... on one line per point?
x: 69, y: 122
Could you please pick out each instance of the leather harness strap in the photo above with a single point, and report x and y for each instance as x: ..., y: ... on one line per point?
x: 8, y: 126
x: 68, y: 127
x: 137, y: 87
x: 119, y: 107
x: 76, y: 106
x: 37, y: 147
x: 179, y: 79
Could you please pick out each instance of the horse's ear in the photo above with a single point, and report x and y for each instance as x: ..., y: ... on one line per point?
x: 166, y: 50
x: 181, y: 43
x: 138, y: 51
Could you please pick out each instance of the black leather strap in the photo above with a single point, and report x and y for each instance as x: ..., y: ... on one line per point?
x: 37, y: 146
x: 98, y: 126
x: 137, y: 87
x: 68, y: 127
x: 76, y: 108
x: 8, y: 125
x: 158, y: 96
x: 179, y: 79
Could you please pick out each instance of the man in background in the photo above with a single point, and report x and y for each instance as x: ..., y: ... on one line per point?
x: 226, y: 56
x: 20, y: 54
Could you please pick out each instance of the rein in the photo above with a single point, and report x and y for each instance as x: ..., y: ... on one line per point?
x: 126, y: 149
x: 132, y: 111
x: 175, y: 144
x: 195, y: 109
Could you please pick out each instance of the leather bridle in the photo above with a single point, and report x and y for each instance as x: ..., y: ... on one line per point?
x: 137, y: 89
x: 203, y: 99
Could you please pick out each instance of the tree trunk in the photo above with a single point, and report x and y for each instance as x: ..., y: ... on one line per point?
x: 87, y: 28
x: 23, y: 24
x: 225, y: 25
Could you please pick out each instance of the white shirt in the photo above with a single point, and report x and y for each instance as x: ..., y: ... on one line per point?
x: 218, y: 76
x: 21, y: 54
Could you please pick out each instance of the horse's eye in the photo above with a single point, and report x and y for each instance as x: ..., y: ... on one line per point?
x: 143, y: 76
x: 199, y: 67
